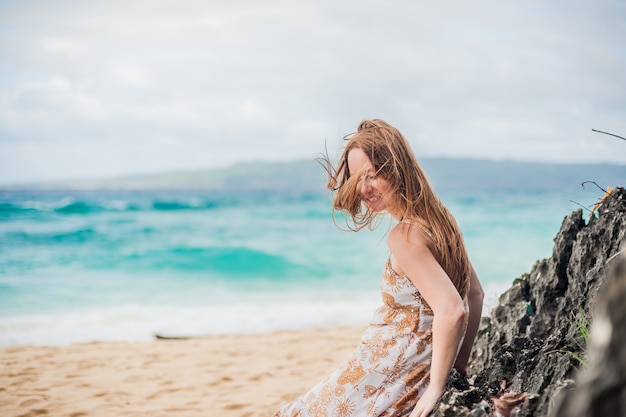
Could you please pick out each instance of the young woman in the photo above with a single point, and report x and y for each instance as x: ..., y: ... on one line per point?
x: 432, y: 299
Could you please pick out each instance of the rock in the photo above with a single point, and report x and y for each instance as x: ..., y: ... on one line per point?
x: 600, y: 388
x: 533, y: 342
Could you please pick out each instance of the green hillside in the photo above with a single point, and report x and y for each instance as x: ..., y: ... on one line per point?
x: 303, y: 175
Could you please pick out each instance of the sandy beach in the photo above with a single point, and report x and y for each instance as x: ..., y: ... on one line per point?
x: 238, y: 376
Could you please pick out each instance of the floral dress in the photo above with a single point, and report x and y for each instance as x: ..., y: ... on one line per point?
x: 389, y: 370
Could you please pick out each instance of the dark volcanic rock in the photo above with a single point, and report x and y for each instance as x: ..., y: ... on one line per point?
x: 533, y: 341
x: 601, y: 387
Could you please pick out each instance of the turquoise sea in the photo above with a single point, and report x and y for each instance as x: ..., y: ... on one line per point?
x: 112, y: 264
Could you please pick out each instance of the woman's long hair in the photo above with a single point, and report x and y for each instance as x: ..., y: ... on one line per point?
x: 393, y: 160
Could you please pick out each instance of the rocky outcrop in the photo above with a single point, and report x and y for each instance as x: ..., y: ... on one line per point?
x: 600, y: 389
x: 530, y: 349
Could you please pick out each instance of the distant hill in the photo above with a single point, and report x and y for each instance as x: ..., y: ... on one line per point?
x: 477, y: 174
x: 241, y: 176
x: 445, y: 174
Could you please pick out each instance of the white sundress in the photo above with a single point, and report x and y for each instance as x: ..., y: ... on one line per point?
x: 390, y: 369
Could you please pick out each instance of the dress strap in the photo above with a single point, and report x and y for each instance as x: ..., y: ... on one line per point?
x: 419, y: 226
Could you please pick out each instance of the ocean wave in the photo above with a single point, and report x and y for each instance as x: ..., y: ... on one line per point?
x: 80, y: 207
x: 7, y: 209
x: 81, y: 235
x: 220, y: 261
x: 192, y: 204
x: 142, y: 322
x: 63, y: 206
x: 51, y: 205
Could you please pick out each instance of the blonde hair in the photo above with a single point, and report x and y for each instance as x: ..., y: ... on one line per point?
x: 393, y: 160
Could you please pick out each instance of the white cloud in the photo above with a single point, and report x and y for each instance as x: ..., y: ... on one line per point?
x: 70, y: 48
x: 130, y: 75
x: 165, y: 85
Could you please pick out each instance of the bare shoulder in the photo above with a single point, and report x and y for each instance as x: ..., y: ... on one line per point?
x: 408, y: 236
x: 413, y: 257
x: 408, y: 241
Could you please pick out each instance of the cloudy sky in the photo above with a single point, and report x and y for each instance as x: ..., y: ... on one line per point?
x: 104, y: 88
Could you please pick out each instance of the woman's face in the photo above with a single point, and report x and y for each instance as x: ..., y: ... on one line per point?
x: 374, y: 191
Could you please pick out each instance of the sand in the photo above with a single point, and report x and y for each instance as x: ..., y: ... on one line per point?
x: 238, y: 376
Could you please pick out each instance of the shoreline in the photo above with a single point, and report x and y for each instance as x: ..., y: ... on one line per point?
x: 137, y: 323
x: 231, y: 376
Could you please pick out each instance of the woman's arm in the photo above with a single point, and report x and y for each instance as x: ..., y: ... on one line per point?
x: 475, y: 303
x: 416, y: 261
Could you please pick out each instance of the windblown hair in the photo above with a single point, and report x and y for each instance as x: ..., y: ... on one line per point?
x: 393, y: 160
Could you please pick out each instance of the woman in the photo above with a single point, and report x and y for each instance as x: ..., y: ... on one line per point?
x: 432, y: 298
